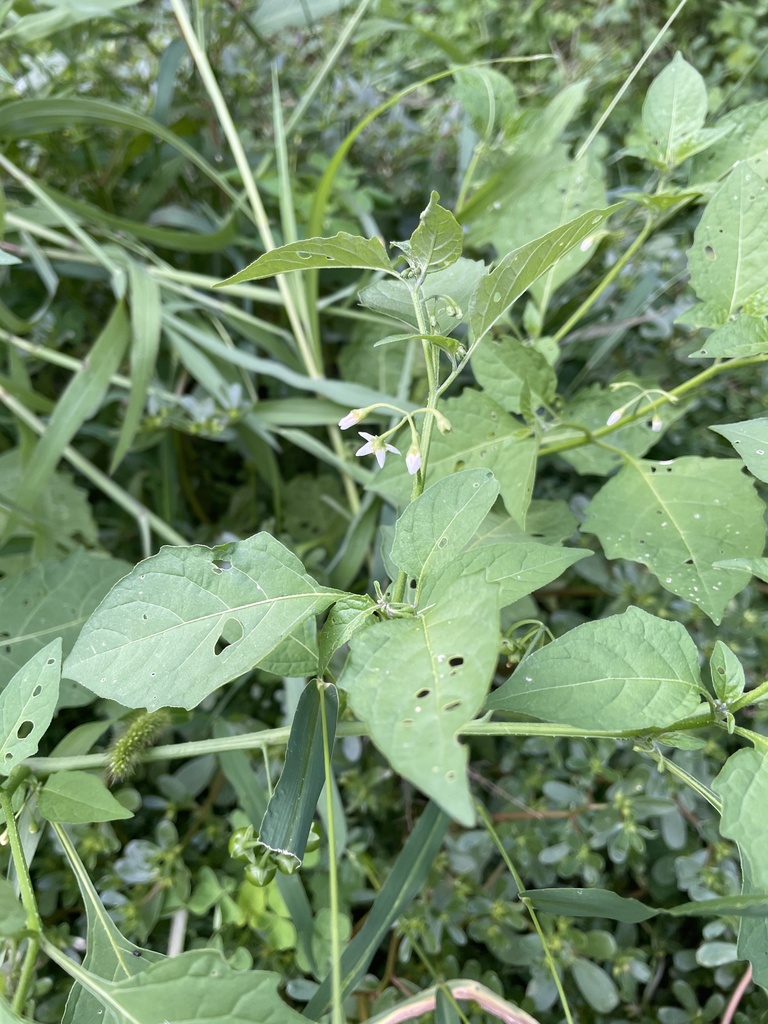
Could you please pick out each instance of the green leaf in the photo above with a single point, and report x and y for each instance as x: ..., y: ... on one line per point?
x: 33, y: 27
x: 198, y: 987
x: 754, y: 566
x: 80, y: 401
x: 729, y: 256
x: 347, y: 617
x: 403, y: 882
x: 743, y: 785
x: 416, y: 681
x: 146, y: 310
x: 504, y: 367
x: 628, y: 672
x: 746, y: 130
x: 678, y: 518
x: 726, y: 672
x: 743, y: 336
x: 291, y: 808
x: 517, y: 568
x: 155, y: 640
x: 436, y: 243
x: 27, y: 705
x: 447, y: 294
x: 343, y: 250
x: 109, y: 955
x: 53, y: 599
x: 674, y: 111
x: 13, y: 918
x: 517, y: 271
x: 77, y: 798
x: 435, y: 527
x: 483, y: 436
x: 296, y: 655
x: 595, y: 985
x: 589, y: 903
x: 750, y: 439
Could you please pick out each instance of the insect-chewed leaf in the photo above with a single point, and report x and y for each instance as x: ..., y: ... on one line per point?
x: 750, y: 439
x: 187, y: 620
x: 630, y: 671
x: 674, y: 111
x: 342, y: 250
x: 27, y: 705
x: 679, y: 518
x: 416, y: 681
x: 437, y: 241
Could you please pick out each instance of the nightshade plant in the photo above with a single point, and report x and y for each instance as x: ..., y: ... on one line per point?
x: 412, y: 665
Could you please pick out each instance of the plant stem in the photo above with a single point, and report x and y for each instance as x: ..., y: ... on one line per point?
x: 34, y: 924
x: 460, y: 989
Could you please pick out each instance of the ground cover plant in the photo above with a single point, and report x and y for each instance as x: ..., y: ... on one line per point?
x: 462, y: 715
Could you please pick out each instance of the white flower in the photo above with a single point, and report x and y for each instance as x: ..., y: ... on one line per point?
x: 614, y: 417
x: 413, y: 459
x: 375, y: 445
x: 351, y: 419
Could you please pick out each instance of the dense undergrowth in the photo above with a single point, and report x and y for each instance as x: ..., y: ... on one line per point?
x: 157, y: 150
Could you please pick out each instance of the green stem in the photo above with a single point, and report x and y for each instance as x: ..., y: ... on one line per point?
x: 529, y: 907
x: 753, y: 697
x: 337, y: 1002
x: 554, y: 447
x: 674, y: 769
x: 34, y: 924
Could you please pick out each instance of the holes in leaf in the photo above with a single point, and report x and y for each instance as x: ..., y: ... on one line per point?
x: 452, y: 705
x: 456, y: 661
x: 688, y: 561
x: 412, y: 584
x: 709, y: 252
x: 407, y: 721
x: 450, y: 776
x: 442, y: 542
x: 231, y: 632
x: 37, y: 691
x: 220, y: 565
x: 24, y: 730
x: 51, y: 661
x: 9, y: 756
x: 460, y: 464
x: 421, y: 694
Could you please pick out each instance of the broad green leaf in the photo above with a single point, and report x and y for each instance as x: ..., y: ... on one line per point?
x: 157, y: 639
x: 198, y: 987
x: 547, y: 522
x: 750, y: 439
x: 729, y: 256
x: 678, y: 518
x: 53, y: 599
x: 108, y: 954
x: 746, y: 138
x: 754, y: 566
x: 13, y: 918
x: 343, y: 250
x: 291, y: 808
x: 146, y: 309
x: 591, y: 408
x: 504, y: 367
x: 296, y: 655
x: 628, y: 672
x: 517, y: 271
x: 727, y: 673
x: 589, y: 903
x: 436, y: 243
x: 517, y: 568
x: 403, y: 882
x: 77, y: 798
x: 7, y: 1016
x: 483, y: 436
x: 416, y: 681
x: 743, y: 336
x: 435, y: 527
x: 447, y: 293
x: 80, y: 401
x: 347, y: 617
x: 27, y: 705
x: 743, y: 785
x: 674, y: 111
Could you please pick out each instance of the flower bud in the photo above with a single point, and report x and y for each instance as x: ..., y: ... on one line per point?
x: 351, y: 419
x: 413, y: 459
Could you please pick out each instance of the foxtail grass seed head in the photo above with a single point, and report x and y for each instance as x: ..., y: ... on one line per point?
x: 141, y: 733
